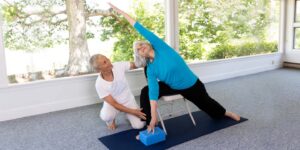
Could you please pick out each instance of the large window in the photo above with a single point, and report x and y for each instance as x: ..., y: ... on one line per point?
x: 50, y: 39
x: 297, y: 11
x: 296, y: 25
x: 218, y: 29
x: 297, y: 39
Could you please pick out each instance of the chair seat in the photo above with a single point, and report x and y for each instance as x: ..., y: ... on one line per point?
x: 171, y: 97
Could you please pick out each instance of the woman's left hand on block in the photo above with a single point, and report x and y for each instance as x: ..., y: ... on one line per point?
x: 152, y: 124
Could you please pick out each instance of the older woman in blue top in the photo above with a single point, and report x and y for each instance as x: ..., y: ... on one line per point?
x: 168, y: 74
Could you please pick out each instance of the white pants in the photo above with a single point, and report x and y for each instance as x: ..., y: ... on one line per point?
x: 108, y: 113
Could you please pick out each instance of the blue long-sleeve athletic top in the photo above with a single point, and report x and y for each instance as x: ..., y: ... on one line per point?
x: 167, y: 66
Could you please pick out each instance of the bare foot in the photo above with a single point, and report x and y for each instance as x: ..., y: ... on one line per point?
x: 233, y: 115
x: 137, y: 137
x: 112, y: 126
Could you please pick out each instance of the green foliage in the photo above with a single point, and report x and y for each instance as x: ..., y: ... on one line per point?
x: 193, y: 26
x: 90, y: 35
x: 205, y: 23
x: 222, y: 51
x: 229, y: 51
x: 19, y: 35
x: 9, y: 12
x: 125, y: 34
x: 297, y: 38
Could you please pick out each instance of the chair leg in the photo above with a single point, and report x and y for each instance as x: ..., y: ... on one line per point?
x: 161, y: 121
x: 188, y: 108
x: 172, y: 107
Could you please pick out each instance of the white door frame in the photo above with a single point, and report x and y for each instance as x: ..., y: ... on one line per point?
x: 291, y: 54
x: 3, y: 74
x: 171, y: 23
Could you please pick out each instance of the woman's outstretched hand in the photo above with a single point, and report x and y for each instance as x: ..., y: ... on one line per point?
x: 116, y: 9
x: 119, y: 11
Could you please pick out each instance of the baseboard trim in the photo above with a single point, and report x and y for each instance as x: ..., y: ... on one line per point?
x: 291, y: 65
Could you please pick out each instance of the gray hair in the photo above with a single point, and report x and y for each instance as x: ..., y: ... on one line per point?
x: 93, y: 59
x: 139, y: 61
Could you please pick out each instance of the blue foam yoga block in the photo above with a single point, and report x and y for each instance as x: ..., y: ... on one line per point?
x: 152, y: 138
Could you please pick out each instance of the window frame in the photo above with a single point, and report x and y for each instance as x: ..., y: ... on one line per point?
x: 295, y: 25
x: 172, y: 36
x: 4, y: 81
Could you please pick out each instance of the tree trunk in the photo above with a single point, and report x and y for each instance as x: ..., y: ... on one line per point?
x: 78, y: 49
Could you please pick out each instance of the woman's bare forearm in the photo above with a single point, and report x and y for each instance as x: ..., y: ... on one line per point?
x: 153, y: 104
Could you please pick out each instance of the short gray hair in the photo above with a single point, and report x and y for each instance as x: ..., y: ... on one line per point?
x: 93, y: 59
x: 137, y: 43
x: 139, y: 61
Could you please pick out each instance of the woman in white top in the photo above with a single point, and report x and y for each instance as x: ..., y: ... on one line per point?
x: 113, y: 88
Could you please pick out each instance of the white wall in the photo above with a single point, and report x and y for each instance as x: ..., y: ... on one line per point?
x: 46, y: 96
x: 230, y: 68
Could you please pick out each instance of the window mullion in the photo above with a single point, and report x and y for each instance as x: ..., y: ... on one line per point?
x: 171, y: 23
x: 3, y: 74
